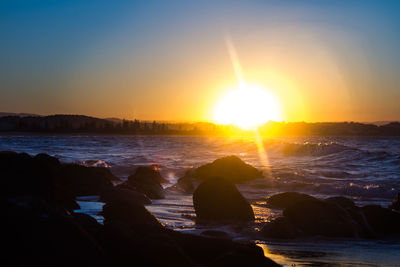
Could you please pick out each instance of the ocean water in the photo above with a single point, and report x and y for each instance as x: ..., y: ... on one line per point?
x: 366, y: 169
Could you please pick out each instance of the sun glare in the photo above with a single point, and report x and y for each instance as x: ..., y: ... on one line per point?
x: 247, y: 107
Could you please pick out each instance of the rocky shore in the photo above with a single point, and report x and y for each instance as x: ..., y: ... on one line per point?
x: 43, y: 229
x: 336, y: 217
x: 40, y: 194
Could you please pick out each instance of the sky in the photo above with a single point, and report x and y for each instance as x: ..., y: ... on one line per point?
x: 169, y: 60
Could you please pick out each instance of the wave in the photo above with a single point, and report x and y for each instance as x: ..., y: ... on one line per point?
x: 96, y: 163
x: 310, y: 149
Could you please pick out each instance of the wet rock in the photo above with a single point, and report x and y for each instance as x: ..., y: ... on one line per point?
x: 396, y: 203
x: 186, y: 183
x: 65, y: 200
x: 382, y: 221
x: 133, y: 214
x: 221, y: 252
x: 285, y: 200
x: 168, y: 251
x: 218, y: 199
x: 24, y: 175
x: 125, y: 195
x: 216, y: 234
x: 48, y: 161
x: 43, y: 175
x: 40, y: 228
x: 85, y: 181
x: 343, y: 202
x: 150, y: 172
x: 317, y: 217
x: 147, y: 181
x: 280, y: 228
x: 87, y: 222
x: 304, y: 215
x: 47, y: 237
x: 231, y: 168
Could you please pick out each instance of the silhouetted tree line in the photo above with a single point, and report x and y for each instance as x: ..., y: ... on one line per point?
x: 85, y: 124
x: 330, y: 129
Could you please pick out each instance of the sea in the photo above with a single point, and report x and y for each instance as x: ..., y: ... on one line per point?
x: 365, y: 169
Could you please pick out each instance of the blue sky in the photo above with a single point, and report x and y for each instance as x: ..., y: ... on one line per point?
x: 118, y: 58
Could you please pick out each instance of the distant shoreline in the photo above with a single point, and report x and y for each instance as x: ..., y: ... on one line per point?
x: 174, y: 135
x: 85, y: 125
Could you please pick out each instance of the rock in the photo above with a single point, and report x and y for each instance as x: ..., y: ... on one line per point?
x: 280, y: 228
x: 87, y: 222
x: 124, y: 244
x: 47, y: 237
x: 317, y: 217
x: 85, y: 181
x: 343, y: 202
x: 166, y: 249
x: 216, y: 234
x: 231, y: 168
x: 396, y: 203
x: 24, y: 175
x: 133, y: 214
x: 285, y: 200
x: 220, y: 252
x: 150, y: 172
x: 43, y: 175
x: 49, y: 161
x: 333, y: 217
x: 125, y: 195
x: 218, y: 199
x: 382, y: 221
x: 185, y: 183
x: 66, y: 200
x: 147, y: 181
x: 39, y: 227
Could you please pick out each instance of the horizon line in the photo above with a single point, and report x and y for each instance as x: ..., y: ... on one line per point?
x: 28, y: 114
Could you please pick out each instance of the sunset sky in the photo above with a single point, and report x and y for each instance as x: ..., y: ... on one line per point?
x: 169, y: 60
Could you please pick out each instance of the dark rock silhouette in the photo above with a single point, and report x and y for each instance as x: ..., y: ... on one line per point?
x: 305, y: 215
x: 317, y: 217
x: 135, y: 215
x: 125, y: 195
x: 186, y: 182
x: 215, y: 233
x: 26, y: 174
x: 396, y: 203
x: 84, y: 181
x: 46, y: 237
x: 280, y: 227
x: 343, y: 202
x: 284, y: 200
x: 218, y: 199
x: 47, y: 233
x: 207, y: 251
x: 382, y: 221
x: 147, y: 181
x: 43, y: 175
x: 231, y: 168
x: 149, y: 173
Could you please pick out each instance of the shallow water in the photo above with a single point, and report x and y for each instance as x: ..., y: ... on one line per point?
x: 366, y: 169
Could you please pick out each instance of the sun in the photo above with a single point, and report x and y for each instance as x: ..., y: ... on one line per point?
x: 247, y: 107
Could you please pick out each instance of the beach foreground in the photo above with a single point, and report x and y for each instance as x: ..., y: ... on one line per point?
x: 72, y: 191
x: 42, y: 225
